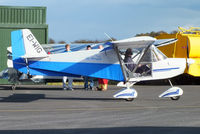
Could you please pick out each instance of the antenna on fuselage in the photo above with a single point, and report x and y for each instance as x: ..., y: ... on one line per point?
x: 108, y: 36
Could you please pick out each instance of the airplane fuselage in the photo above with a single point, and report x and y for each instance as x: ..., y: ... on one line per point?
x: 100, y: 64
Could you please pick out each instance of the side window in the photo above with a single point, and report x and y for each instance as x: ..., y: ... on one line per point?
x: 147, y: 57
x: 157, y: 55
x: 154, y: 56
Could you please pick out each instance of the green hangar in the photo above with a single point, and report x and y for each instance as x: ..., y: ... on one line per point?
x: 13, y: 18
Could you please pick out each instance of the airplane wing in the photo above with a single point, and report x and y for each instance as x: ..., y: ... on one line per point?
x: 60, y: 48
x: 134, y: 42
x: 164, y: 42
x: 142, y: 41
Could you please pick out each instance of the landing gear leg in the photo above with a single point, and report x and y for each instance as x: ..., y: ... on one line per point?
x: 13, y: 87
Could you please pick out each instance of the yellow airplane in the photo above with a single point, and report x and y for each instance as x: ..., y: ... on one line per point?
x: 187, y: 46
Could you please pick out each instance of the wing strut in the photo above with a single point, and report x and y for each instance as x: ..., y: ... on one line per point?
x: 120, y: 61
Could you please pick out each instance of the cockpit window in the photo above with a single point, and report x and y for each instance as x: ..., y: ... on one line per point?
x: 136, y: 62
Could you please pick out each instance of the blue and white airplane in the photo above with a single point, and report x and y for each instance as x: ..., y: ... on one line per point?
x: 30, y: 58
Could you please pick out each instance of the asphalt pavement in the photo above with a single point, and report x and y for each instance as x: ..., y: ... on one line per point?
x: 32, y: 109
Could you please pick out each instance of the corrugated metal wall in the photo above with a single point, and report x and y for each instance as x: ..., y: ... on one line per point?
x: 13, y: 18
x: 22, y: 15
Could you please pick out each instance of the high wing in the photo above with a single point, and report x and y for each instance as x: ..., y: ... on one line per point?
x: 135, y: 42
x: 164, y: 42
x: 60, y: 48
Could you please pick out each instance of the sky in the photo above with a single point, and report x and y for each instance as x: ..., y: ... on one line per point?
x: 70, y: 20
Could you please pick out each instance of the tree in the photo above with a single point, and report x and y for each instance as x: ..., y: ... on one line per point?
x: 61, y: 42
x: 152, y: 34
x: 51, y: 41
x: 86, y: 41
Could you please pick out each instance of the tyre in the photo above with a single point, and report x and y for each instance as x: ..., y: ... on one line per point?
x: 129, y: 99
x: 175, y: 98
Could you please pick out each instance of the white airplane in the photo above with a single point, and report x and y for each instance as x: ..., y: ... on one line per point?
x: 149, y: 63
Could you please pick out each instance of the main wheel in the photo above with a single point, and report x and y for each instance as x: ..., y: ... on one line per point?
x: 175, y: 98
x: 129, y: 99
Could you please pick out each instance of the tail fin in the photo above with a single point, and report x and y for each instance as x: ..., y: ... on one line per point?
x: 25, y: 45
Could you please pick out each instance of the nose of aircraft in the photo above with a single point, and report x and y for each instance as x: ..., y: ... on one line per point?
x: 177, y: 66
x: 181, y: 63
x: 190, y: 61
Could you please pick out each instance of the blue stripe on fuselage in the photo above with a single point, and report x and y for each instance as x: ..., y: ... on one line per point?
x: 98, y: 70
x: 165, y: 69
x: 49, y: 73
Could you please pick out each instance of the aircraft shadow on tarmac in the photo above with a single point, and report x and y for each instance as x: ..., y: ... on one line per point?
x: 113, y: 130
x: 33, y: 97
x: 30, y: 87
x: 22, y: 98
